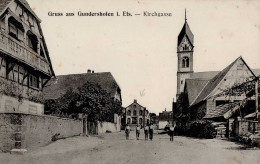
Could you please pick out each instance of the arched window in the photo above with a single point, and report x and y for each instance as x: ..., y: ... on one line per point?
x: 128, y: 121
x: 140, y: 112
x: 32, y: 41
x: 134, y: 113
x: 185, y: 62
x: 129, y: 112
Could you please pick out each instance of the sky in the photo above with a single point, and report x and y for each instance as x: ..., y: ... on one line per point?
x: 140, y: 51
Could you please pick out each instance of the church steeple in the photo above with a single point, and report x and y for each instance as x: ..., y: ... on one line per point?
x: 185, y: 31
x: 185, y: 16
x: 185, y: 56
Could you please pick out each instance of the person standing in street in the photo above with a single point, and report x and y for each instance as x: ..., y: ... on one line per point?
x: 137, y: 132
x: 151, y: 131
x: 146, y: 129
x: 127, y: 131
x: 171, y: 131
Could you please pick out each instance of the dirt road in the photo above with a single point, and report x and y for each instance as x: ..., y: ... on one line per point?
x: 113, y: 148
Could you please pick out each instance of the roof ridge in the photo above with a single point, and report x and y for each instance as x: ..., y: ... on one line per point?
x: 214, y: 79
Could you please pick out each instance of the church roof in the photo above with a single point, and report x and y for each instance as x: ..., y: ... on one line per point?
x: 58, y: 86
x: 211, y: 85
x: 185, y: 31
x: 194, y: 87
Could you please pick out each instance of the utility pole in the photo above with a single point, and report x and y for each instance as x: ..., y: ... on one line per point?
x: 144, y: 117
x: 256, y: 98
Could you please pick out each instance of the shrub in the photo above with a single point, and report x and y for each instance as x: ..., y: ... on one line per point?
x: 202, y: 129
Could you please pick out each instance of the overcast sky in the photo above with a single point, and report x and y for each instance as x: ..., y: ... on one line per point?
x: 140, y: 51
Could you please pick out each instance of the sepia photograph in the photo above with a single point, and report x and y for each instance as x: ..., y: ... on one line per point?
x: 136, y: 82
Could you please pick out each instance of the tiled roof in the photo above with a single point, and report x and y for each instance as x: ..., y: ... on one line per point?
x: 194, y: 87
x: 211, y: 74
x: 3, y: 4
x: 204, y: 75
x: 59, y: 85
x: 211, y: 85
x: 214, y: 78
x: 27, y: 6
x: 220, y: 110
x: 185, y: 31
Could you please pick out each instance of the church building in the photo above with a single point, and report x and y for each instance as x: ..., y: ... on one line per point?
x: 201, y: 89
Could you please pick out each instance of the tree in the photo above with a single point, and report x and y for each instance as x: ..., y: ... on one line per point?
x: 89, y: 99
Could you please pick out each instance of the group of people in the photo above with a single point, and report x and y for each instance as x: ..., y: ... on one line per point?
x: 148, y: 131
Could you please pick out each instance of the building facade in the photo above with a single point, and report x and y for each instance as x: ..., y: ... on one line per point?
x: 136, y: 114
x: 25, y: 65
x: 202, y: 90
x: 165, y: 118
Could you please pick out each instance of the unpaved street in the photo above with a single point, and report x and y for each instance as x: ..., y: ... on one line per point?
x: 113, y: 148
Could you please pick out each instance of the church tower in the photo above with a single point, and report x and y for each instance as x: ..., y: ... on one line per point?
x: 185, y: 56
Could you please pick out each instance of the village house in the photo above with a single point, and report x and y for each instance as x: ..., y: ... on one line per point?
x: 202, y: 90
x: 25, y: 65
x: 165, y: 119
x: 136, y: 114
x: 62, y: 83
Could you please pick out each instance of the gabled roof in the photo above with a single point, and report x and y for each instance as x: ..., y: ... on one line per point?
x: 212, y: 84
x: 58, y: 86
x: 204, y: 75
x: 185, y: 31
x: 220, y: 110
x: 135, y: 102
x: 3, y: 4
x: 193, y: 87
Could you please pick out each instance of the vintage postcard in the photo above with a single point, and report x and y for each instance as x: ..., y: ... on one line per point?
x: 112, y: 81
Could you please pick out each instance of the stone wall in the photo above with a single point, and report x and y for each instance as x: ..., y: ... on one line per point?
x: 18, y: 130
x: 244, y: 126
x: 12, y: 105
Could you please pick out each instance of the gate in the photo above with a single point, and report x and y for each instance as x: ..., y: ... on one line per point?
x: 92, y: 128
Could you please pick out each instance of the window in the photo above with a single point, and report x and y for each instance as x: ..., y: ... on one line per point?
x: 42, y: 53
x: 34, y: 81
x: 140, y: 113
x: 129, y: 112
x: 182, y: 82
x: 16, y: 29
x: 185, y: 62
x: 32, y: 41
x: 134, y: 120
x: 134, y: 113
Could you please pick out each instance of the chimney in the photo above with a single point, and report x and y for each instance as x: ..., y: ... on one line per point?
x: 89, y: 70
x: 135, y: 101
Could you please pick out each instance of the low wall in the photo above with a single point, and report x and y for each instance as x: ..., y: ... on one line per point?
x: 109, y: 126
x: 18, y: 130
x: 244, y: 126
x: 12, y: 105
